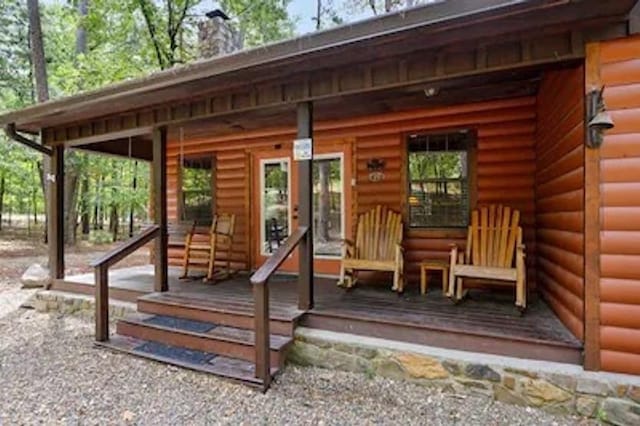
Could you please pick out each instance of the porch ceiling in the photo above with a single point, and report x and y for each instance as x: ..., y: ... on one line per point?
x: 482, y: 88
x: 450, y: 23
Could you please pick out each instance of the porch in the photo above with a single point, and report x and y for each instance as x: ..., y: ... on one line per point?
x: 485, y: 322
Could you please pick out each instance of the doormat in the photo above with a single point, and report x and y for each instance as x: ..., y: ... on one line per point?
x: 176, y: 353
x: 180, y: 324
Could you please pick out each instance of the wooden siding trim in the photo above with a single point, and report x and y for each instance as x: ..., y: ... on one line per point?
x: 592, y: 342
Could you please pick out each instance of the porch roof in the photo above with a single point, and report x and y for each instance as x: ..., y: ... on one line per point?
x: 430, y: 26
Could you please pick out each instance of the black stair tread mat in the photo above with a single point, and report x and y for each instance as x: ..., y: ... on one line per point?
x: 175, y: 352
x: 215, y: 331
x: 180, y: 323
x: 230, y: 368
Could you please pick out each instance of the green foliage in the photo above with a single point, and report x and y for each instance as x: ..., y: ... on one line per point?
x: 261, y: 22
x: 100, y: 237
x: 378, y: 7
x: 125, y: 39
x: 15, y: 66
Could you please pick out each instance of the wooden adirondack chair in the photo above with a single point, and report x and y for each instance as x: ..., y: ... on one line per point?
x: 494, y: 251
x: 378, y: 247
x: 220, y: 240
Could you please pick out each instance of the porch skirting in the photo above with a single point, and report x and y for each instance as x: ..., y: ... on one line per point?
x: 557, y: 388
x: 80, y: 305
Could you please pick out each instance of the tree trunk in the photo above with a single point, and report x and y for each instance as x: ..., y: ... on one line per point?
x: 37, y: 51
x: 318, y: 14
x: 2, y: 188
x: 73, y: 164
x: 84, y: 207
x: 324, y: 201
x: 81, y: 32
x: 39, y: 70
x: 70, y: 203
x: 100, y: 204
x: 114, y: 222
x: 134, y: 186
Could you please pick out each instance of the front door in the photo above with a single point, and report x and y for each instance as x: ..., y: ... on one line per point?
x: 275, y: 201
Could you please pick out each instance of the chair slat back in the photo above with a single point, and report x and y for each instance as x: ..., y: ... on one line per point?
x: 377, y: 233
x: 223, y: 224
x: 493, y: 235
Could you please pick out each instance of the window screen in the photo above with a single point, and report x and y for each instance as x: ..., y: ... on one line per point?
x: 197, y: 189
x: 438, y: 180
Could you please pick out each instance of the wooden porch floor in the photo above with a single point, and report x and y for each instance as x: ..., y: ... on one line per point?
x: 485, y: 322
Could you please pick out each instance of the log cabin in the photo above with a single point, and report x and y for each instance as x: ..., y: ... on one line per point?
x: 430, y: 112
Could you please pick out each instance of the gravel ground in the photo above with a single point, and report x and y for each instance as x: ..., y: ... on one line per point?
x: 50, y: 373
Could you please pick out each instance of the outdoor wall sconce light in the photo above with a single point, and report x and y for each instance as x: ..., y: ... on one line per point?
x: 376, y: 168
x: 599, y: 118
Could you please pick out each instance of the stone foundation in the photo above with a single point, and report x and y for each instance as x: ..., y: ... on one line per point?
x: 50, y: 301
x: 557, y: 388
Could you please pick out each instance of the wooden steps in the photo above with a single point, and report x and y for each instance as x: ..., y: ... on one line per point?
x: 212, y: 335
x: 221, y: 310
x: 228, y: 368
x: 219, y: 339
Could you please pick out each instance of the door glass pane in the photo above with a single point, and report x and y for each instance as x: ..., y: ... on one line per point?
x: 275, y: 204
x: 327, y: 206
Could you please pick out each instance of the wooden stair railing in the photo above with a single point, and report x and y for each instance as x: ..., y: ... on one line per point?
x: 101, y: 268
x: 260, y: 280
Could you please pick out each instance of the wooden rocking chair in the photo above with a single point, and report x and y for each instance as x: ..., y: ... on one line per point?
x: 378, y: 247
x: 220, y: 240
x: 494, y: 252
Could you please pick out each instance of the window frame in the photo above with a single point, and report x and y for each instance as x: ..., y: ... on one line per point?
x: 472, y: 163
x: 180, y: 201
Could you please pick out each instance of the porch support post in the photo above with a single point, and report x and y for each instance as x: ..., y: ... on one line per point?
x: 592, y: 226
x: 305, y: 211
x: 159, y: 137
x: 55, y: 212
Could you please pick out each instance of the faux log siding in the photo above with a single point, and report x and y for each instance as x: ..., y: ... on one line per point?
x: 620, y: 212
x: 505, y: 170
x: 232, y: 183
x: 560, y: 195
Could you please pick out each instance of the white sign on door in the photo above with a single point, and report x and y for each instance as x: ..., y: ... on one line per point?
x: 303, y: 149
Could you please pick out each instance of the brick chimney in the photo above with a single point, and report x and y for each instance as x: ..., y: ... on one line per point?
x: 217, y: 35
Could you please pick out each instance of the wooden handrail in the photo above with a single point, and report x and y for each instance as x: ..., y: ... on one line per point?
x: 101, y: 269
x: 125, y: 249
x: 260, y: 280
x: 278, y: 257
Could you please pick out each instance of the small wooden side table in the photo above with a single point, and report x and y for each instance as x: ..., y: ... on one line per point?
x: 434, y: 265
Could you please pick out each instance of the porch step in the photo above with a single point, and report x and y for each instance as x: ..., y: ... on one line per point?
x: 206, y: 362
x: 202, y: 336
x: 223, y: 310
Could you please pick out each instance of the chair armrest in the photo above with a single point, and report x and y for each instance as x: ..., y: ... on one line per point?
x: 348, y: 249
x: 347, y: 242
x: 455, y: 256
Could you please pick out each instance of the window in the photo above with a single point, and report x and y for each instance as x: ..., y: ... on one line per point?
x: 438, y: 179
x: 197, y: 203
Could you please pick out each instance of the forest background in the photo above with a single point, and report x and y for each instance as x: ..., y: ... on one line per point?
x: 55, y: 48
